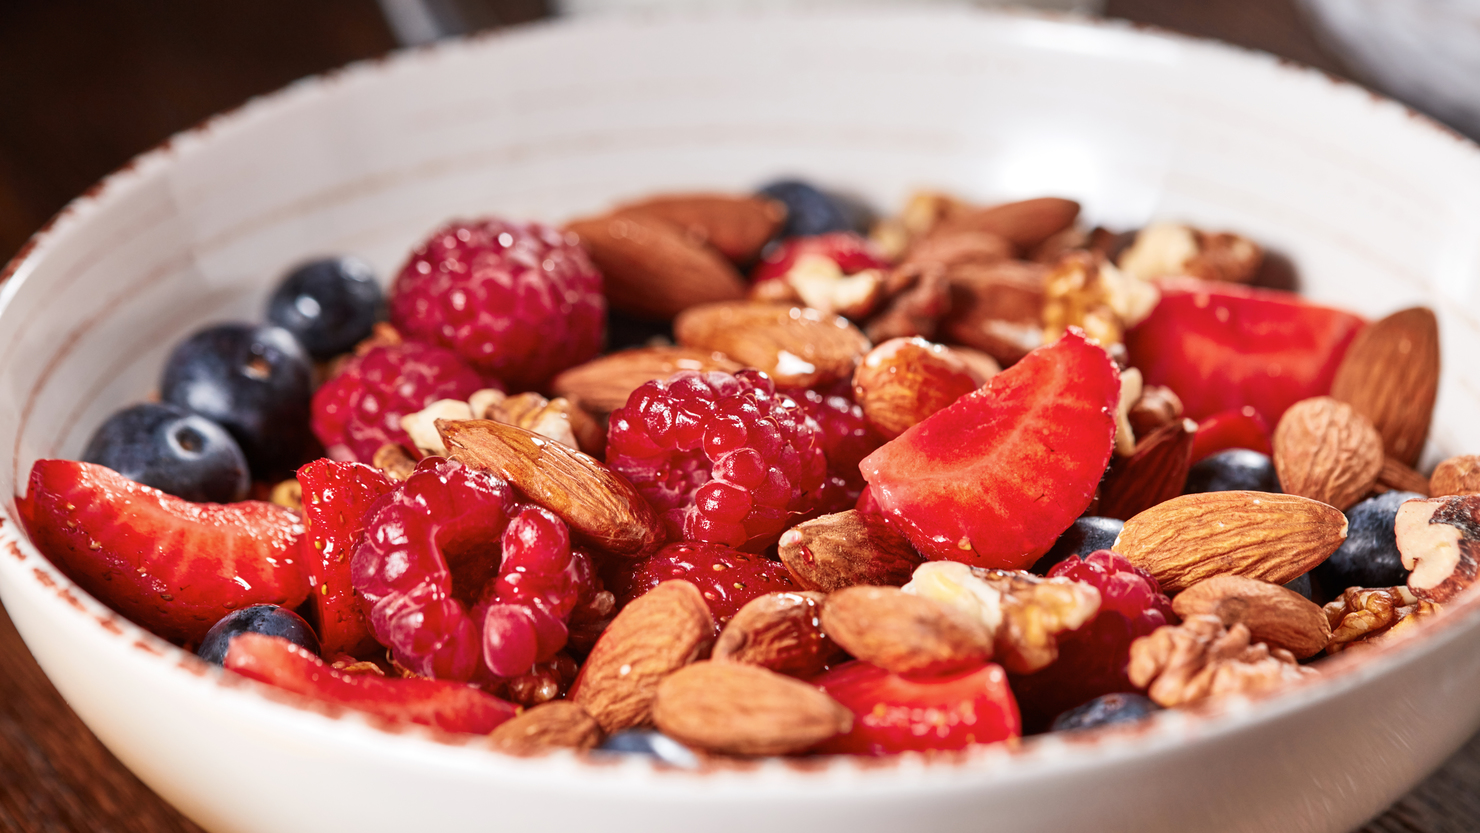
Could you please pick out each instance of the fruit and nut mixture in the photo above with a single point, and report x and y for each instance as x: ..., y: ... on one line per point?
x: 757, y: 474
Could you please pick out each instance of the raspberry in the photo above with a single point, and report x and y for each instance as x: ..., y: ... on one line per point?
x: 1092, y: 660
x: 847, y: 438
x: 724, y: 459
x: 518, y: 301
x: 360, y: 409
x: 728, y: 578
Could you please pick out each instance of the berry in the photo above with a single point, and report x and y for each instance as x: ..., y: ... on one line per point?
x: 846, y: 439
x: 329, y: 305
x: 360, y: 409
x: 1220, y: 347
x: 1106, y: 710
x: 449, y: 706
x: 1302, y: 584
x: 1240, y: 428
x: 518, y: 301
x: 173, y: 566
x: 174, y: 451
x: 1088, y: 533
x: 653, y: 744
x: 723, y: 459
x: 1369, y: 555
x: 849, y: 251
x: 269, y: 620
x: 893, y: 713
x: 1093, y: 659
x: 809, y: 211
x: 336, y: 497
x: 994, y: 478
x: 728, y: 578
x: 1236, y: 469
x: 254, y: 381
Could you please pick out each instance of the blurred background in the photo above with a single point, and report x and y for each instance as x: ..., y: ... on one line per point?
x: 85, y: 85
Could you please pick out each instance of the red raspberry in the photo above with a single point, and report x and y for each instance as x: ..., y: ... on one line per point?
x: 518, y: 301
x: 360, y: 409
x: 1092, y: 660
x: 724, y: 459
x: 847, y: 438
x: 728, y: 578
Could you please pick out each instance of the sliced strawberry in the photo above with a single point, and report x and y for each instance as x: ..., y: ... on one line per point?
x: 1220, y: 347
x: 450, y: 706
x: 849, y: 251
x: 336, y: 497
x: 893, y: 713
x: 994, y: 478
x: 173, y: 566
x: 1241, y: 428
x: 727, y: 577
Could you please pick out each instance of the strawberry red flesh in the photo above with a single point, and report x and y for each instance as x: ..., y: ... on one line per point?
x: 336, y: 497
x: 1243, y: 428
x: 173, y: 566
x: 893, y: 713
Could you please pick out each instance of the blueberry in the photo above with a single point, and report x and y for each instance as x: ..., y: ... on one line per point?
x: 329, y: 305
x: 1233, y: 470
x: 172, y: 450
x: 265, y: 619
x: 254, y: 381
x: 809, y: 211
x: 1369, y: 555
x: 1105, y: 710
x: 653, y: 744
x: 1086, y: 535
x: 1302, y: 585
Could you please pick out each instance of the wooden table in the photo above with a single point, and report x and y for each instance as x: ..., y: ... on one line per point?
x: 87, y: 85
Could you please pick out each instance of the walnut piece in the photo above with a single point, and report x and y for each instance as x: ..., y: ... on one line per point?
x: 1365, y: 615
x: 1163, y: 249
x: 1085, y: 290
x: 1198, y: 659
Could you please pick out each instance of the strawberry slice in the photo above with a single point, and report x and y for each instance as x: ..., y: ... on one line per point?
x: 727, y: 577
x: 336, y: 497
x: 993, y: 479
x: 1220, y: 347
x: 1243, y: 428
x: 173, y: 566
x: 893, y: 713
x: 449, y: 706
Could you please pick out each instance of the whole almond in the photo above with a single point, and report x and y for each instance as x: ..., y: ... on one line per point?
x: 736, y: 225
x: 1270, y: 537
x: 1156, y: 471
x: 904, y: 633
x: 797, y: 346
x: 1274, y: 615
x: 600, y: 506
x: 781, y: 632
x: 904, y: 380
x: 955, y: 248
x: 1397, y: 477
x: 558, y: 724
x: 1326, y: 451
x: 604, y: 384
x: 846, y: 549
x: 1390, y: 375
x: 1456, y: 476
x: 653, y: 269
x: 1025, y: 224
x: 742, y: 709
x: 656, y: 634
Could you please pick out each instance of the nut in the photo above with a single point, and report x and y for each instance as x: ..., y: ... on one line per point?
x: 656, y: 634
x: 745, y: 710
x: 1156, y: 407
x: 1397, y: 477
x: 1390, y: 375
x: 422, y: 425
x: 1164, y: 249
x: 1274, y: 615
x: 653, y: 268
x: 782, y: 632
x: 604, y: 384
x: 904, y: 380
x: 797, y: 346
x: 1273, y: 538
x: 847, y: 549
x: 558, y: 724
x: 737, y: 226
x: 394, y: 461
x: 818, y: 282
x: 1439, y: 540
x: 600, y: 507
x: 1156, y: 472
x: 952, y: 249
x: 905, y: 633
x: 1456, y: 476
x: 1198, y: 659
x: 1084, y: 290
x: 1131, y: 387
x: 1326, y: 451
x: 1024, y: 224
x: 288, y: 494
x: 558, y: 419
x: 1363, y: 616
x: 919, y: 296
x: 997, y: 309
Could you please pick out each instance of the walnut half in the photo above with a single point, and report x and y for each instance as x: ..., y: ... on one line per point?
x: 1363, y: 615
x: 1198, y: 659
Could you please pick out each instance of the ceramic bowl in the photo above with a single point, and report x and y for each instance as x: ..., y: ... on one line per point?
x: 1380, y: 209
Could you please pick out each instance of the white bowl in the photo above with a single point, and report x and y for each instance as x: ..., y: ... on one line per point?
x: 1380, y: 209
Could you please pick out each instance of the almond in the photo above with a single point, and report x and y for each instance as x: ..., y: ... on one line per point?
x: 1157, y: 406
x: 919, y: 297
x: 742, y: 709
x: 1274, y: 615
x: 1270, y: 537
x: 961, y: 247
x: 558, y: 724
x: 1456, y: 476
x: 738, y: 226
x: 1390, y: 375
x: 600, y: 506
x: 1025, y: 224
x: 997, y: 309
x: 904, y: 380
x: 1156, y: 471
x: 905, y: 633
x: 603, y: 385
x: 797, y: 346
x: 781, y: 632
x: 847, y: 549
x: 1326, y: 451
x: 656, y: 634
x: 653, y: 269
x: 1396, y: 477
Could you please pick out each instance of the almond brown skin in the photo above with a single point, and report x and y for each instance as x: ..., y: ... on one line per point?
x: 781, y: 632
x: 1274, y: 615
x: 904, y: 633
x: 904, y: 380
x: 653, y: 268
x: 736, y: 225
x: 604, y: 384
x: 847, y: 549
x: 1325, y: 450
x: 1025, y: 224
x: 1155, y: 472
x: 739, y: 709
x: 796, y: 346
x: 1390, y: 375
x: 558, y: 724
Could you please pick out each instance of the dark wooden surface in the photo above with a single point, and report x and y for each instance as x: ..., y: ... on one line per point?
x: 86, y: 85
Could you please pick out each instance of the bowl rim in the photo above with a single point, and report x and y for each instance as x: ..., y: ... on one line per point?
x: 1167, y: 729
